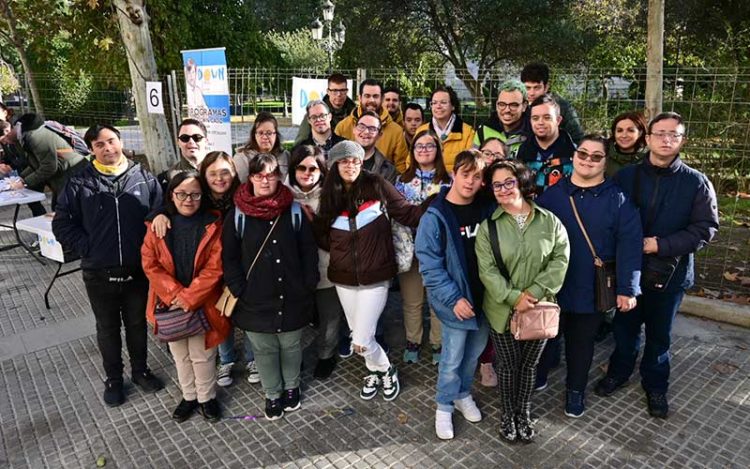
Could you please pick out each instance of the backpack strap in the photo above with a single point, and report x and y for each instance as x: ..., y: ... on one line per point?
x: 495, y: 244
x: 296, y: 216
x: 239, y: 222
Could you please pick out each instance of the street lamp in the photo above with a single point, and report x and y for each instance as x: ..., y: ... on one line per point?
x: 335, y: 38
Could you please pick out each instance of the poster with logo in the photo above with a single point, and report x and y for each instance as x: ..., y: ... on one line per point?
x: 207, y: 86
x: 305, y: 90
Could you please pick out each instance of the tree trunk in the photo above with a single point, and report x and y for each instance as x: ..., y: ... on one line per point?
x: 655, y: 58
x: 136, y: 37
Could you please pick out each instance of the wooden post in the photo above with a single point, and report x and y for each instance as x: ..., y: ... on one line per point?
x: 136, y: 38
x: 655, y: 58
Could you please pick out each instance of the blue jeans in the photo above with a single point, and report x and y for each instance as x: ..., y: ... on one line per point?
x: 657, y: 311
x: 227, y: 353
x: 458, y: 362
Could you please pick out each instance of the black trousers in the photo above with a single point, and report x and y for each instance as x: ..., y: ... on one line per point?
x: 515, y: 367
x: 119, y: 298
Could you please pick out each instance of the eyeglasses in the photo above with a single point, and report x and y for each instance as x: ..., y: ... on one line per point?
x: 507, y: 185
x: 439, y: 103
x: 495, y: 155
x: 350, y: 162
x: 337, y: 90
x: 370, y: 129
x: 512, y: 106
x: 319, y: 117
x: 424, y: 147
x: 197, y: 138
x: 259, y: 177
x: 267, y: 134
x: 594, y: 157
x: 306, y: 169
x: 668, y: 135
x: 183, y: 196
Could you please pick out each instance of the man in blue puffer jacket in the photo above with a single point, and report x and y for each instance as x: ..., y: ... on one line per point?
x: 679, y: 216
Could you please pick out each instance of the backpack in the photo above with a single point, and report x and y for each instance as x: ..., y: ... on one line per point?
x: 70, y: 136
x: 239, y: 219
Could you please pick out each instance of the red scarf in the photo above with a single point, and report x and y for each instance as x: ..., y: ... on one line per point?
x: 264, y: 207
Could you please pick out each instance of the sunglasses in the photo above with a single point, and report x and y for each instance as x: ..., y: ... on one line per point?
x: 197, y: 138
x: 307, y: 169
x: 594, y: 157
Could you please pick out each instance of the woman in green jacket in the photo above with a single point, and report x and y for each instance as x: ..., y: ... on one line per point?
x: 534, y: 248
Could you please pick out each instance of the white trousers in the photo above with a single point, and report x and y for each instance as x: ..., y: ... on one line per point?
x: 363, y: 306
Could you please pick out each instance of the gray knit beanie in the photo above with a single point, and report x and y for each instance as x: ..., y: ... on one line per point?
x: 345, y: 149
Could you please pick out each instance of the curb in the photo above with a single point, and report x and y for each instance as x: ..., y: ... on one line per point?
x: 716, y: 310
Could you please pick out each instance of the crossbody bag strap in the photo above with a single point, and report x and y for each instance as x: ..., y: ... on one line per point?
x: 247, y: 277
x: 495, y: 244
x: 597, y: 261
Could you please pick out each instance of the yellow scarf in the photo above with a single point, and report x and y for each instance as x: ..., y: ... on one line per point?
x: 113, y: 170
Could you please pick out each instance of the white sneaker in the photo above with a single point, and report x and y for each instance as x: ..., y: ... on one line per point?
x: 468, y: 409
x: 224, y: 376
x: 253, y: 377
x: 444, y: 424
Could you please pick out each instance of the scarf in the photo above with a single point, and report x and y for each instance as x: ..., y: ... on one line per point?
x: 443, y: 133
x: 263, y: 207
x: 112, y: 170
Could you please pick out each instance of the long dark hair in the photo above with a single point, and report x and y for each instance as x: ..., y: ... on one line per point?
x: 262, y: 118
x: 299, y: 153
x: 334, y: 197
x: 176, y: 180
x: 441, y: 174
x: 211, y: 158
x: 639, y: 121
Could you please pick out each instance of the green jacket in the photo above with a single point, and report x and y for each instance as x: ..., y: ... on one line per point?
x: 537, y: 259
x: 617, y: 160
x: 51, y: 160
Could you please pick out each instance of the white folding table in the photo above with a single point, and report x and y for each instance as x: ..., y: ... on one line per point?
x: 18, y: 198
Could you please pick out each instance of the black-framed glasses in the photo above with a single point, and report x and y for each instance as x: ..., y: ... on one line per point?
x: 508, y: 185
x: 512, y: 106
x: 197, y: 138
x: 494, y: 155
x: 370, y: 129
x: 594, y: 157
x: 318, y: 117
x: 183, y: 196
x: 338, y: 90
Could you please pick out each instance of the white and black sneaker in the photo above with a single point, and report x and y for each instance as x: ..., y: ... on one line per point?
x: 370, y: 388
x: 253, y: 377
x: 290, y: 400
x: 224, y: 375
x: 390, y: 384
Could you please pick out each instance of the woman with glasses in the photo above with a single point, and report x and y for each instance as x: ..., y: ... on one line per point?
x: 424, y: 177
x: 454, y: 134
x: 264, y: 138
x: 306, y: 183
x: 184, y: 271
x: 271, y: 266
x: 353, y: 226
x: 492, y: 150
x: 534, y: 248
x: 628, y: 136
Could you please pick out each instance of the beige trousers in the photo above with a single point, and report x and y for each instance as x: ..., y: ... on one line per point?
x: 413, y: 297
x: 196, y: 368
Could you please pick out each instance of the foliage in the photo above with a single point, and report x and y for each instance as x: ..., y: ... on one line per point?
x: 73, y: 87
x: 298, y: 49
x: 8, y: 80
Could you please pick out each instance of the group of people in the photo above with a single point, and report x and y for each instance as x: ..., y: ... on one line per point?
x: 479, y: 224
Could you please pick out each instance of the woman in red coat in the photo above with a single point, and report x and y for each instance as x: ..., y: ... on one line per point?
x: 185, y: 272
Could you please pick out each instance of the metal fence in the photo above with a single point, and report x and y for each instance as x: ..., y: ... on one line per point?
x: 715, y: 103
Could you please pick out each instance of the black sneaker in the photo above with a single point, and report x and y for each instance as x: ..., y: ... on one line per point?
x: 274, y: 409
x: 211, y: 411
x: 324, y: 368
x: 525, y: 427
x: 390, y: 384
x: 575, y: 403
x: 113, y: 394
x: 657, y: 404
x: 507, y: 429
x: 371, y: 386
x: 147, y: 381
x: 607, y: 386
x: 184, y: 410
x: 290, y: 400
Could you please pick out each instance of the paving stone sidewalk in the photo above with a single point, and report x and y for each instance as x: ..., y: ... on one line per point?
x: 51, y: 413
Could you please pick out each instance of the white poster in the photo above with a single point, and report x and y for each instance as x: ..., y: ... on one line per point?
x: 154, y: 99
x: 305, y: 90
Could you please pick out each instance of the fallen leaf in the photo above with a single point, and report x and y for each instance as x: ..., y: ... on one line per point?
x: 403, y: 418
x: 725, y: 368
x: 730, y: 276
x: 101, y: 461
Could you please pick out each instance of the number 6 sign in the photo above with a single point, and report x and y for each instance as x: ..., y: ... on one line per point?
x: 153, y: 97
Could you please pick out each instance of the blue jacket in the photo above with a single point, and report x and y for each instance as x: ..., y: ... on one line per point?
x: 612, y: 223
x: 685, y: 214
x: 102, y: 218
x: 442, y: 262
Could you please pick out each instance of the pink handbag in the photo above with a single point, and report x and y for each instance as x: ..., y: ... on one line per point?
x: 540, y: 322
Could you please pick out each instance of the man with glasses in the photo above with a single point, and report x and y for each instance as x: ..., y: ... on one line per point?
x: 679, y: 215
x: 367, y: 132
x: 535, y: 77
x: 338, y: 102
x: 507, y: 123
x: 391, y: 142
x: 192, y: 142
x: 318, y: 115
x: 100, y: 216
x: 549, y: 153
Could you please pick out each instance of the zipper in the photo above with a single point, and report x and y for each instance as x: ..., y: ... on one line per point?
x: 119, y: 234
x: 353, y: 229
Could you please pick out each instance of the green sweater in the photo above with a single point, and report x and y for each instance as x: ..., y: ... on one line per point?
x: 536, y: 258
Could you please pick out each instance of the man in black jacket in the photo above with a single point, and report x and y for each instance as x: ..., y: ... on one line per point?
x: 535, y: 76
x: 339, y: 104
x: 100, y: 216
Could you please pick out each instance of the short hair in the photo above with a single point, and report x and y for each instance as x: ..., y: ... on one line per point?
x: 261, y: 162
x: 175, y: 181
x: 491, y: 139
x: 535, y: 72
x: 664, y: 116
x: 299, y: 153
x: 371, y: 114
x: 93, y: 133
x: 336, y: 78
x: 211, y: 158
x: 414, y: 107
x: 370, y: 82
x: 524, y: 175
x: 636, y: 118
x: 451, y: 95
x: 468, y: 159
x: 392, y: 89
x: 512, y: 85
x: 261, y: 118
x: 546, y: 99
x: 597, y: 137
x: 195, y: 122
x: 316, y: 102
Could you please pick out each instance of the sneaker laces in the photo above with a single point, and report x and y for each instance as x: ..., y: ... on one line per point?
x: 372, y: 380
x: 290, y: 394
x: 387, y: 380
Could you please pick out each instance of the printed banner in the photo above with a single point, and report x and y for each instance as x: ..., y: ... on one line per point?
x: 305, y: 90
x: 207, y: 86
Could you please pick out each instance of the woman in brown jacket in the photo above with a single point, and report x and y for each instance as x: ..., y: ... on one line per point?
x: 353, y: 225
